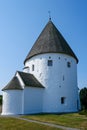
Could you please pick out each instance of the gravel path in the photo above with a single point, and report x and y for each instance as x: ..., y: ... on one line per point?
x: 45, y: 123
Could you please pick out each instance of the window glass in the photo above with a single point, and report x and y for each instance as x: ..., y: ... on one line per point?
x: 68, y: 64
x: 32, y: 67
x: 50, y: 62
x: 62, y: 100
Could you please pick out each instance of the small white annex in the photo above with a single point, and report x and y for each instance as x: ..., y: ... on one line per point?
x: 48, y: 83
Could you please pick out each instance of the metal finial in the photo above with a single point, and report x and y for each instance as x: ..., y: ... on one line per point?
x: 49, y: 15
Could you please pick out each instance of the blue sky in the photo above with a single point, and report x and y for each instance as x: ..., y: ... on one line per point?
x: 21, y: 22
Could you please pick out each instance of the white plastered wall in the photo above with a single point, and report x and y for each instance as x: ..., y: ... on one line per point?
x: 59, y: 81
x: 12, y: 102
x: 33, y: 100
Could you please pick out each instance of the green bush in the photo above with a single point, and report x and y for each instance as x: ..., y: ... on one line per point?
x: 0, y: 99
x: 83, y: 98
x: 83, y: 112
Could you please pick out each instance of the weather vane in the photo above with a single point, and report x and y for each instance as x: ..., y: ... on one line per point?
x: 49, y: 15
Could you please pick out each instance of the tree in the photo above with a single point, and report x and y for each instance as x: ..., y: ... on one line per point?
x: 0, y: 99
x: 83, y: 98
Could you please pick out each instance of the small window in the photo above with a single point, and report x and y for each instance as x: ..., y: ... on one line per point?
x: 62, y: 100
x: 68, y: 64
x: 50, y: 62
x: 32, y: 67
x: 63, y: 78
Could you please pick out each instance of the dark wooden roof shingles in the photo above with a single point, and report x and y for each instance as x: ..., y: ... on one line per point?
x: 50, y: 41
x: 14, y: 84
x: 28, y: 79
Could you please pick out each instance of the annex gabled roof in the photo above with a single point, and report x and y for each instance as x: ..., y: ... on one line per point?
x: 28, y: 79
x: 50, y: 41
x: 13, y: 85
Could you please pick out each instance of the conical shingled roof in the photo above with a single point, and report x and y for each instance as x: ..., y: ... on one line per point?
x: 50, y: 41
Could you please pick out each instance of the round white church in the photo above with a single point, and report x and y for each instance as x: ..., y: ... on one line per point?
x: 48, y: 83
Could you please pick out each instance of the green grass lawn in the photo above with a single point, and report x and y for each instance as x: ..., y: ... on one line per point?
x: 7, y: 123
x: 74, y: 120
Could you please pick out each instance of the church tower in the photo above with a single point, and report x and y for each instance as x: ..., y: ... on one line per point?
x: 54, y: 64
